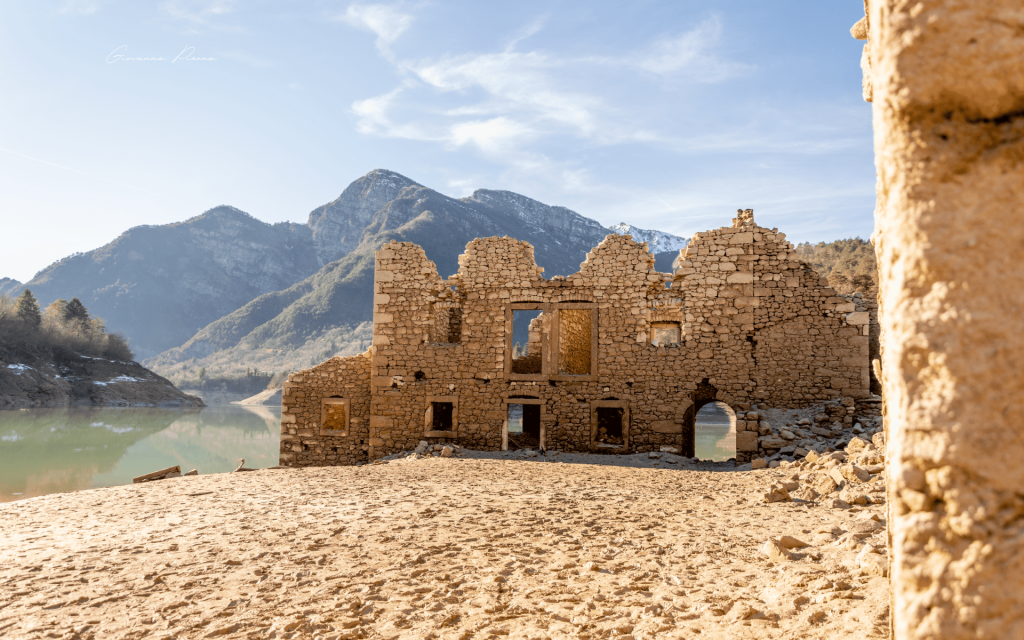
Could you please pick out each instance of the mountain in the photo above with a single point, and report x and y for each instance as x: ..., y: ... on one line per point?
x: 657, y: 241
x: 9, y: 285
x: 225, y: 280
x: 340, y: 295
x: 160, y: 284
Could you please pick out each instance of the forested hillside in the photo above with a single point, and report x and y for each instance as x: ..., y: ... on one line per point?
x: 848, y: 264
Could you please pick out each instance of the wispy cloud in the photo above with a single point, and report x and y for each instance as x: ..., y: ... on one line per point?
x: 509, y: 105
x: 387, y: 22
x: 689, y: 54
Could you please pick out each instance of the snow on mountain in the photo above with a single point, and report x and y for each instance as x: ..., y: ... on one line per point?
x: 657, y: 241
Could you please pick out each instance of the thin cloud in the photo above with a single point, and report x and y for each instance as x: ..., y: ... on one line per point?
x: 690, y: 54
x: 387, y: 22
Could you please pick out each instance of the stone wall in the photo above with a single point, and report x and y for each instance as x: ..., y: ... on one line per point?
x: 948, y: 105
x: 303, y: 443
x: 758, y: 329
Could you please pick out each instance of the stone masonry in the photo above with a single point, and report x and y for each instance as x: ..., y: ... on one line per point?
x: 946, y: 82
x: 741, y: 321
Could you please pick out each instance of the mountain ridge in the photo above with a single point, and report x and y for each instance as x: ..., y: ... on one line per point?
x: 169, y: 286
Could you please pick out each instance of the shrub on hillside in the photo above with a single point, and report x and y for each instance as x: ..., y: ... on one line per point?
x: 64, y: 326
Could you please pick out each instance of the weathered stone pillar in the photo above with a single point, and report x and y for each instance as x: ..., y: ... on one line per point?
x: 947, y: 82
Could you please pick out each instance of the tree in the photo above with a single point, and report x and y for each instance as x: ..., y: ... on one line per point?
x: 56, y: 309
x: 75, y: 311
x: 27, y: 308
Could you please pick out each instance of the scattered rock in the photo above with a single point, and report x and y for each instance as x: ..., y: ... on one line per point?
x: 193, y: 472
x: 853, y: 473
x: 812, y: 456
x: 840, y: 504
x: 856, y: 444
x: 446, y: 452
x: 789, y: 542
x: 775, y: 551
x: 777, y: 493
x: 871, y: 563
x: 837, y: 476
x: 758, y: 463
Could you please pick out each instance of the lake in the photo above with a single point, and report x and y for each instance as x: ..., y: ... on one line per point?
x: 45, y: 451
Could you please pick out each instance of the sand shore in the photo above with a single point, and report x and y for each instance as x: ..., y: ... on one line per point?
x: 437, y: 548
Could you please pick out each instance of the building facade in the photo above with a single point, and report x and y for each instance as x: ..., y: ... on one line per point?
x: 616, y: 358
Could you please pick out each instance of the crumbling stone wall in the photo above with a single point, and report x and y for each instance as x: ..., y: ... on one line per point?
x: 302, y: 395
x: 757, y: 327
x: 947, y: 86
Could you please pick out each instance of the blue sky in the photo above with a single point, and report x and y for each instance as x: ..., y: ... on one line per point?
x: 664, y: 114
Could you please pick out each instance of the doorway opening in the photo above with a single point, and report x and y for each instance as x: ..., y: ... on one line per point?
x: 523, y: 426
x: 715, y: 432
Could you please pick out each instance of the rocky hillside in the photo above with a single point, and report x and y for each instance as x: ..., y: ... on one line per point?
x: 657, y: 241
x: 65, y: 379
x: 338, y: 298
x: 160, y: 285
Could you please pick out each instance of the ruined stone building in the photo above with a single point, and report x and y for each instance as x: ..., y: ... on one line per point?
x: 614, y: 358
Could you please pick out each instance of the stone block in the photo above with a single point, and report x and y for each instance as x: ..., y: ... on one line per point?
x: 666, y: 426
x: 746, y: 441
x: 858, y: 318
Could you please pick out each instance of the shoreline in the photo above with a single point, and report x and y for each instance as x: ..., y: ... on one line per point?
x: 441, y: 548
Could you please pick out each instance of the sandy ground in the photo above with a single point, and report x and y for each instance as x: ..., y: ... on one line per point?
x: 438, y: 548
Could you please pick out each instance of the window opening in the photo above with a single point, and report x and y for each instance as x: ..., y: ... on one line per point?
x: 442, y: 416
x: 527, y: 341
x: 523, y: 426
x: 447, y: 326
x: 574, y: 341
x: 609, y: 427
x: 335, y: 419
x: 334, y: 416
x: 715, y: 432
x: 665, y: 333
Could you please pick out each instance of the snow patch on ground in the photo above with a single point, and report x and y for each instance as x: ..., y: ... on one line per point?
x: 119, y: 379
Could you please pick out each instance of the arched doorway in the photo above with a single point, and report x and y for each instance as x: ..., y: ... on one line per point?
x: 715, y: 432
x: 718, y: 425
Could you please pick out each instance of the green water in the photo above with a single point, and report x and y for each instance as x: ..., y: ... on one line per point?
x: 714, y: 442
x: 45, y: 451
x: 714, y: 438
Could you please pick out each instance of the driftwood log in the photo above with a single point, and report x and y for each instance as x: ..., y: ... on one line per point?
x: 169, y: 472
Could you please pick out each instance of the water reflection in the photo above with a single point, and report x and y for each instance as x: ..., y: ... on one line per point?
x: 46, y: 451
x: 715, y: 435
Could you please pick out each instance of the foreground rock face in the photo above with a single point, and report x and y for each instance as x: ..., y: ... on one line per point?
x: 948, y: 105
x: 81, y: 380
x: 441, y: 548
